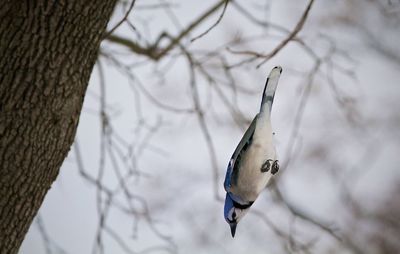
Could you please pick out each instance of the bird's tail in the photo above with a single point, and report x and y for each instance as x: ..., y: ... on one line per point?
x: 270, y: 88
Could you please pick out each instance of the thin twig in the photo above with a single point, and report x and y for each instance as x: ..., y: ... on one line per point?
x: 122, y: 20
x: 203, y: 125
x: 214, y: 25
x: 48, y: 243
x: 153, y: 51
x: 292, y: 35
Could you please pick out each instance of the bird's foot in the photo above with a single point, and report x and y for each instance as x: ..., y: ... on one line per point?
x: 266, y: 166
x: 275, y: 167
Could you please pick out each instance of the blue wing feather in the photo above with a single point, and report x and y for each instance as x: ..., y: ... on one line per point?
x: 234, y: 162
x: 228, y: 176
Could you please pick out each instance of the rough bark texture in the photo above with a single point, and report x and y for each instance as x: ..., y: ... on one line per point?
x: 47, y: 52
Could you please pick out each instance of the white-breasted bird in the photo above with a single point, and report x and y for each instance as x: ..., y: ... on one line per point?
x: 254, y: 161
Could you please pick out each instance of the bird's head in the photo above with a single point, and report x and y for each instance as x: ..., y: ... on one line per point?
x: 234, y: 212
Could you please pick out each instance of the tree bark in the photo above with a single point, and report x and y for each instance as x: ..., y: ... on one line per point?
x: 47, y: 53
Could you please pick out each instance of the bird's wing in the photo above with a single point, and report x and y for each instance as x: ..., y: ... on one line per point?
x: 270, y: 88
x: 233, y: 166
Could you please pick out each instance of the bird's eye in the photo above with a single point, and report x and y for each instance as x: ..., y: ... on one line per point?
x: 234, y: 215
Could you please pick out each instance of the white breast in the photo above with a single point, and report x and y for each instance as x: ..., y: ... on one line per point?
x: 251, y: 181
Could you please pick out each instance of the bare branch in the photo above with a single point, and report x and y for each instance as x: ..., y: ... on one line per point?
x: 214, y: 25
x: 154, y: 52
x: 203, y: 125
x: 292, y: 35
x: 122, y: 20
x: 48, y: 243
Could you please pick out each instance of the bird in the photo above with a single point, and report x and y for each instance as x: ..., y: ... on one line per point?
x: 254, y: 160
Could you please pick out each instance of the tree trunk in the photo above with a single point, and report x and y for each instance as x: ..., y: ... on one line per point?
x: 47, y: 52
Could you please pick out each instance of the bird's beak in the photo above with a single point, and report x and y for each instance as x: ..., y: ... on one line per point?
x: 233, y: 229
